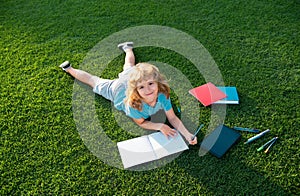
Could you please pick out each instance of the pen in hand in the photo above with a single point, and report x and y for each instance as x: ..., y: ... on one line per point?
x: 197, y: 131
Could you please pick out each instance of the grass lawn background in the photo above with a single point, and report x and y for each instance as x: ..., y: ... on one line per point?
x: 255, y: 44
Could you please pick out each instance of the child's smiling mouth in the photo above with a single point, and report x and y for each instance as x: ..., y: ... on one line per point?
x: 149, y: 94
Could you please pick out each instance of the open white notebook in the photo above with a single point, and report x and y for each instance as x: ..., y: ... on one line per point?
x: 148, y: 148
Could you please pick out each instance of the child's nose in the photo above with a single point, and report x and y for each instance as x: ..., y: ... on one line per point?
x: 148, y: 88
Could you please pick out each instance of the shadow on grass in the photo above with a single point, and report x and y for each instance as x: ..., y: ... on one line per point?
x: 228, y: 175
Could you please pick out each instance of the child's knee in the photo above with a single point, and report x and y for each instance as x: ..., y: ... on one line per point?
x: 127, y: 66
x: 94, y: 81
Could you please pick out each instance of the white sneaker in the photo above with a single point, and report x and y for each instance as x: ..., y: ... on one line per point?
x: 124, y: 46
x: 65, y: 65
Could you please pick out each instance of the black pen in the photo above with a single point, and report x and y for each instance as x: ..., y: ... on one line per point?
x: 197, y: 131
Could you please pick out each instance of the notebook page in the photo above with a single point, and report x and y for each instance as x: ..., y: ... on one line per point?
x: 136, y: 151
x: 163, y: 146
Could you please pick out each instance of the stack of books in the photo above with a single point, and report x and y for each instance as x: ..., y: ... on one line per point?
x: 209, y: 94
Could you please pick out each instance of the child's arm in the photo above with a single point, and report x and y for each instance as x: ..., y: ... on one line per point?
x: 165, y: 129
x: 178, y: 125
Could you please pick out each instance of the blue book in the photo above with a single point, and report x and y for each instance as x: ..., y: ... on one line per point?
x: 220, y: 140
x: 232, y: 95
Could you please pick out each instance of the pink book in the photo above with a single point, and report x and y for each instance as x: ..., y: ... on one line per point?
x: 207, y: 94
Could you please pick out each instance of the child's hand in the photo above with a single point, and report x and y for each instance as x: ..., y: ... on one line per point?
x: 167, y: 131
x: 193, y: 142
x: 190, y: 139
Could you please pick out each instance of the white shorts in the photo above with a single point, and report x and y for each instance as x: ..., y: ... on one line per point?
x: 107, y: 88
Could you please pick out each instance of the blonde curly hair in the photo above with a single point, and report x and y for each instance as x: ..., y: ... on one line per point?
x: 142, y: 72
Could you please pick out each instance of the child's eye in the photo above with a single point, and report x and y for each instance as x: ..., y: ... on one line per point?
x: 140, y: 87
x: 150, y: 83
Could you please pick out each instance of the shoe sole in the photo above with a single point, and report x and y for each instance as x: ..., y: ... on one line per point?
x: 129, y: 44
x: 65, y: 65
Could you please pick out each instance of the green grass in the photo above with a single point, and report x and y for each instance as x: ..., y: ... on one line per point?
x: 255, y: 44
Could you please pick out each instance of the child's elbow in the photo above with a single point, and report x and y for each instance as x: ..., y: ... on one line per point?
x: 139, y: 121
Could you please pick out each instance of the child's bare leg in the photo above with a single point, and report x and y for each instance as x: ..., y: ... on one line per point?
x: 129, y: 58
x: 80, y: 75
x: 129, y: 55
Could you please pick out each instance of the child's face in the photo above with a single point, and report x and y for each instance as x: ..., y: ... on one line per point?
x: 148, y: 90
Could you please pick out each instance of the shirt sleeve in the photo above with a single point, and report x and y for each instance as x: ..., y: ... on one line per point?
x: 166, y: 102
x: 133, y: 113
